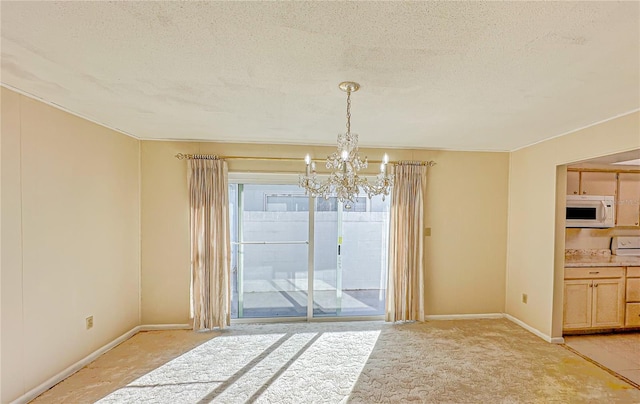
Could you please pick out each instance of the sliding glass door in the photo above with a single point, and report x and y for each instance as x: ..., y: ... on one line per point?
x: 297, y: 257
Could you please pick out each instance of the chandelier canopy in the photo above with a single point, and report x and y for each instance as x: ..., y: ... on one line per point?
x: 344, y: 182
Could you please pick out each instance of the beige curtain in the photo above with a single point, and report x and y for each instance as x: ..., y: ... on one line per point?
x: 405, y: 279
x: 210, y: 246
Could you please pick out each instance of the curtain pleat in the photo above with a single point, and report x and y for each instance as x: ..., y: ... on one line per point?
x: 405, y: 281
x: 210, y: 243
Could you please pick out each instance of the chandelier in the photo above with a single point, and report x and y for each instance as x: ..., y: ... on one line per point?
x: 344, y: 182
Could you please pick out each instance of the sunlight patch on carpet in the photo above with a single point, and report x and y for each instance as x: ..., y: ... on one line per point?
x: 191, y: 376
x: 326, y: 371
x: 292, y: 367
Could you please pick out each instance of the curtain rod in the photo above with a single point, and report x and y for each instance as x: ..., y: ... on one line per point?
x: 183, y: 156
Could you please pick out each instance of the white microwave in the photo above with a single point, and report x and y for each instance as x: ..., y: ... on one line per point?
x: 590, y: 211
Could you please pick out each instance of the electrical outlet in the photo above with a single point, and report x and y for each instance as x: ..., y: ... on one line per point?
x: 89, y: 322
x: 524, y: 298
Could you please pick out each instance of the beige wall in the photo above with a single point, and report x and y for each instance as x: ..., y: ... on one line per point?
x: 535, y: 241
x: 70, y: 240
x: 466, y: 210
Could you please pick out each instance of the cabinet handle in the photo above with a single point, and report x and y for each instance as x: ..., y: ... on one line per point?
x: 584, y: 192
x: 575, y: 192
x: 590, y: 285
x: 596, y: 285
x: 594, y: 272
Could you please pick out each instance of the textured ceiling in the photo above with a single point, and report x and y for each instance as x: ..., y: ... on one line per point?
x: 450, y: 75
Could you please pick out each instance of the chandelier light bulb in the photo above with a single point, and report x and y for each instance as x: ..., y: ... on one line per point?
x: 344, y: 155
x: 307, y: 159
x: 385, y: 158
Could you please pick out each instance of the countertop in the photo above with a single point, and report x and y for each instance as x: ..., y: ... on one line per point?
x: 573, y: 261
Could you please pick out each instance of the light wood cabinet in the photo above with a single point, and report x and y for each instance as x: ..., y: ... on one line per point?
x: 598, y: 183
x: 624, y: 186
x: 632, y: 316
x: 573, y: 182
x: 594, y: 272
x: 608, y: 303
x: 628, y: 202
x: 632, y: 311
x: 594, y: 298
x: 577, y: 304
x: 633, y: 290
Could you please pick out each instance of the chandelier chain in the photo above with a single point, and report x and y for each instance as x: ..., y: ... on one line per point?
x: 348, y: 111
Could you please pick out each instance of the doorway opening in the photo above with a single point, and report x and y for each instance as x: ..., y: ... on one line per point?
x: 596, y: 292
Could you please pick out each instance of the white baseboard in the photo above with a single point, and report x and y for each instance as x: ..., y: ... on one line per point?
x: 52, y: 381
x: 463, y: 316
x: 555, y: 340
x: 155, y: 327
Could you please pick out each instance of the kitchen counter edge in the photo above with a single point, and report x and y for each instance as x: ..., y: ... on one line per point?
x: 601, y: 261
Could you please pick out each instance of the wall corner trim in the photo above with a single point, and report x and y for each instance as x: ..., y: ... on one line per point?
x: 535, y: 331
x: 52, y: 381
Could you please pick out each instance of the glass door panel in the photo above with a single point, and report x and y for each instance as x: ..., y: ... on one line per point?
x: 350, y: 250
x: 274, y: 280
x: 365, y: 232
x: 270, y: 250
x: 326, y: 291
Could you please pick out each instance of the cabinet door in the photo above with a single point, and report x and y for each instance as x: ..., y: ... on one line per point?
x: 633, y: 290
x: 577, y: 304
x: 628, y: 206
x: 573, y: 182
x: 598, y: 183
x: 632, y: 315
x: 608, y: 303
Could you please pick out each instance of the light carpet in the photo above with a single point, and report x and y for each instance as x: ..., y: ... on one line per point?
x: 462, y: 361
